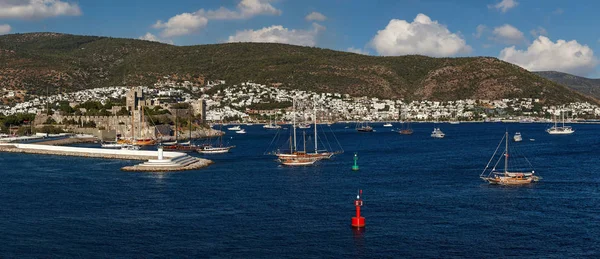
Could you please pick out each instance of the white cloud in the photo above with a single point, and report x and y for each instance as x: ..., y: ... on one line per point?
x: 4, y: 29
x: 422, y: 36
x: 504, y: 5
x: 508, y: 34
x: 479, y: 31
x: 357, y: 51
x: 151, y: 37
x: 538, y: 31
x: 181, y: 24
x: 186, y: 23
x: 543, y: 54
x: 245, y: 9
x: 37, y: 9
x: 279, y: 34
x: 315, y: 16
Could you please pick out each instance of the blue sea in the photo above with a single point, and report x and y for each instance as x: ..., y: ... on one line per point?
x: 422, y: 199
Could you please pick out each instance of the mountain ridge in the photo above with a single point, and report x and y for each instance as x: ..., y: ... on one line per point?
x: 588, y: 86
x: 74, y: 62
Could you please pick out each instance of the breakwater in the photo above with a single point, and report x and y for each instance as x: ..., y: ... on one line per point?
x: 166, y: 161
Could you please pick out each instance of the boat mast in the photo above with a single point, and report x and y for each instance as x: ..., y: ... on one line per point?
x: 294, y: 122
x: 176, y: 135
x: 304, y: 139
x: 315, y: 119
x: 506, y: 153
x: 132, y: 125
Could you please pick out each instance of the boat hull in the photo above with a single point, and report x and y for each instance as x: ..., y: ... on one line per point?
x: 213, y: 150
x: 406, y: 132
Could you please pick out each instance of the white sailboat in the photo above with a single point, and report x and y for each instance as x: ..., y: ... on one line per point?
x: 271, y: 125
x: 560, y: 130
x: 218, y: 149
x: 504, y: 176
x: 387, y: 125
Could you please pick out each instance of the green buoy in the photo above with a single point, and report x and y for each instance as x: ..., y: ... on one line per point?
x: 355, y: 166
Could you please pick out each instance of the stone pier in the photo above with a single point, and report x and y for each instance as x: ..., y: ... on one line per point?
x: 155, y: 161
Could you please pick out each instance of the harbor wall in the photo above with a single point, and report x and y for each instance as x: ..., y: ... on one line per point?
x: 87, y: 152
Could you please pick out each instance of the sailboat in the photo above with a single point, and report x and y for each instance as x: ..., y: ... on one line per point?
x: 296, y: 157
x: 271, y: 125
x: 364, y: 127
x: 504, y: 176
x: 560, y: 130
x: 218, y: 149
x: 137, y: 141
x: 405, y: 128
x: 180, y: 146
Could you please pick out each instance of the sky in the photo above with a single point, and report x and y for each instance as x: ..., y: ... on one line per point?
x: 536, y: 35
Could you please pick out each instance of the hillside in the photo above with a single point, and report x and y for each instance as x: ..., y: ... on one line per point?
x: 69, y: 62
x: 580, y: 84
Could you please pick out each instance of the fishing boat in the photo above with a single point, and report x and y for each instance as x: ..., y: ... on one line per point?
x: 437, y: 133
x: 234, y: 128
x: 517, y: 137
x: 560, y: 130
x: 505, y: 176
x: 242, y: 131
x: 387, y: 125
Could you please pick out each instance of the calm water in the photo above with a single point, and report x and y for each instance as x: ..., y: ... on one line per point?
x: 423, y: 198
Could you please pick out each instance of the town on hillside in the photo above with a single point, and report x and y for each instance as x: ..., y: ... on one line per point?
x: 169, y: 108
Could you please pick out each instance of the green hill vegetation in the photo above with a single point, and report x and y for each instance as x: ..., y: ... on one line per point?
x: 580, y: 84
x: 70, y: 62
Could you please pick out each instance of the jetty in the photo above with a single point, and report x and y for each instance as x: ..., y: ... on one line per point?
x: 156, y: 161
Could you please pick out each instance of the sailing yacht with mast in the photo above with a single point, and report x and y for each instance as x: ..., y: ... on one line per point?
x: 183, y: 146
x: 296, y: 157
x: 271, y: 125
x: 504, y: 176
x: 560, y: 130
x: 364, y: 127
x: 405, y: 128
x: 218, y: 149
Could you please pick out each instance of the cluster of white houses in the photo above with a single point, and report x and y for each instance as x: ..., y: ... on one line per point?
x: 244, y: 101
x: 238, y: 100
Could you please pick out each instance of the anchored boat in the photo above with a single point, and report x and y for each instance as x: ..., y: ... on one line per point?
x: 505, y: 176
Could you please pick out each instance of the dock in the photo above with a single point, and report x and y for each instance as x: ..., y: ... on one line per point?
x: 156, y: 161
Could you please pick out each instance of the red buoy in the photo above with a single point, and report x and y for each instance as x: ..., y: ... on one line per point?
x: 358, y: 221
